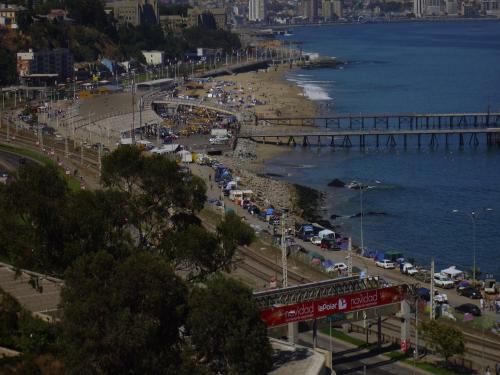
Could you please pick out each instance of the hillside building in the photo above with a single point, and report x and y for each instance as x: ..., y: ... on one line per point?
x: 134, y: 12
x: 51, y: 66
x: 257, y: 10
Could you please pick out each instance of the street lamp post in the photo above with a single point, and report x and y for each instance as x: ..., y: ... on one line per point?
x: 474, y: 216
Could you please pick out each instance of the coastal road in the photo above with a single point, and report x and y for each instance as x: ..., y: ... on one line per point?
x: 9, y: 161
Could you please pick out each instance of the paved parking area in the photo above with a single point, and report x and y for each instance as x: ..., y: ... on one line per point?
x: 35, y: 292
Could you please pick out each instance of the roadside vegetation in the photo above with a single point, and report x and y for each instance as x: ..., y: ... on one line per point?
x: 73, y: 183
x: 443, y: 339
x: 143, y: 285
x: 96, y: 34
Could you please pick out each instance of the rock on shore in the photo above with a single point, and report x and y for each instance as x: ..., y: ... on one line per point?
x: 336, y: 183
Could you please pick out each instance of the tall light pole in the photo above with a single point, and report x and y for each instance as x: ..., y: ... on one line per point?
x: 361, y: 217
x: 474, y: 216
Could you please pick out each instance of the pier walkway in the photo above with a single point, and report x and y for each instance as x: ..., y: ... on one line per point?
x: 389, y: 129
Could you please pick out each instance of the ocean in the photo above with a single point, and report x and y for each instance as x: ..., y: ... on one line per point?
x: 432, y: 67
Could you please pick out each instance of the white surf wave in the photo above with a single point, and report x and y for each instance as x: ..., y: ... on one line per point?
x: 314, y: 92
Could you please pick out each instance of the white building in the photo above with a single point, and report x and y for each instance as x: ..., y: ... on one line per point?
x: 257, y: 10
x: 153, y: 57
x: 419, y: 8
x: 491, y: 7
x: 451, y: 7
x: 434, y: 7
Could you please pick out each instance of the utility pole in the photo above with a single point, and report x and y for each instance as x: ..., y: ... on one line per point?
x: 361, y: 217
x: 3, y: 109
x: 415, y: 353
x: 132, y: 136
x: 99, y: 161
x: 66, y: 151
x: 283, y: 251
x: 349, y: 257
x: 433, y: 313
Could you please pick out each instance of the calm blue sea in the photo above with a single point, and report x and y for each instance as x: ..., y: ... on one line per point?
x: 408, y: 67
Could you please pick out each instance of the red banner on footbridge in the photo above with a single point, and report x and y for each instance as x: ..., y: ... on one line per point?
x: 326, y: 306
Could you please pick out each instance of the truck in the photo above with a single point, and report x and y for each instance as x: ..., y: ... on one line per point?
x: 219, y: 133
x: 443, y: 281
x: 305, y: 232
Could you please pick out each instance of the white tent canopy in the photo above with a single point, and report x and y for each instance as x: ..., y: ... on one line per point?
x: 186, y: 156
x: 326, y: 233
x: 453, y: 272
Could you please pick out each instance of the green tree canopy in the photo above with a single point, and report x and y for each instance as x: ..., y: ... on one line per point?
x: 446, y: 340
x: 31, y: 228
x: 226, y: 329
x: 122, y: 316
x: 157, y: 189
x: 88, y: 13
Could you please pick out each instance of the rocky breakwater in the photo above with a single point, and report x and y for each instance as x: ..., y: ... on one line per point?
x: 267, y: 191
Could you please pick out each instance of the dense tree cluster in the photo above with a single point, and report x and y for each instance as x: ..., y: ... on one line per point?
x: 141, y: 272
x: 444, y: 339
x: 96, y: 34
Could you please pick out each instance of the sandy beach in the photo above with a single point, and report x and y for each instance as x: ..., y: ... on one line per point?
x: 280, y: 98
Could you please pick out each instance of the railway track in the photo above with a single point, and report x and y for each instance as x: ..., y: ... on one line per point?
x: 25, y: 138
x: 266, y: 267
x: 477, y: 349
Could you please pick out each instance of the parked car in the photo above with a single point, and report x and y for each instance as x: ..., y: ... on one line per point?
x: 340, y: 266
x: 443, y: 281
x: 423, y: 276
x: 408, y: 269
x: 329, y: 244
x: 385, y: 264
x: 469, y: 308
x: 490, y: 286
x: 337, y: 267
x: 316, y: 240
x: 469, y: 292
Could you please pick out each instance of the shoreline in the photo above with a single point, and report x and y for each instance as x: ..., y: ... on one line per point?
x: 396, y: 20
x: 281, y: 97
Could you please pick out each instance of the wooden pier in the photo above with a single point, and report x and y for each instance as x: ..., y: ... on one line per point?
x: 405, y: 121
x: 379, y: 130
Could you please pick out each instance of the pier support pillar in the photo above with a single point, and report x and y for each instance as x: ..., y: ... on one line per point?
x: 305, y: 142
x: 405, y: 324
x: 293, y: 332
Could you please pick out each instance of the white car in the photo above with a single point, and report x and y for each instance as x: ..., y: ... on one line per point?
x: 316, y: 240
x: 441, y: 298
x: 409, y: 269
x: 443, y: 281
x: 337, y: 266
x: 385, y: 264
